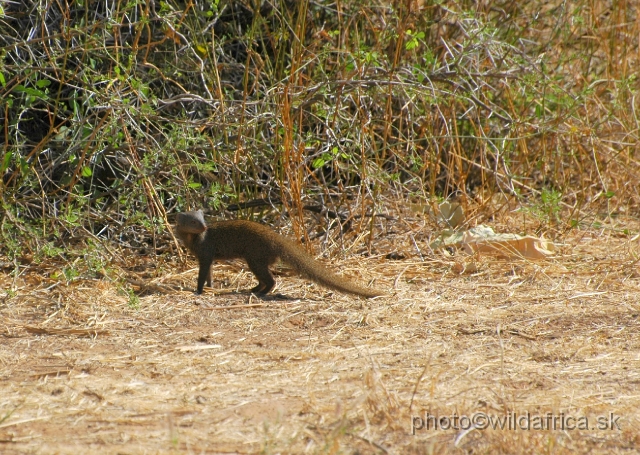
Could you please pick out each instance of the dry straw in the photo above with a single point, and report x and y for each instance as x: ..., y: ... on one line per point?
x: 84, y: 371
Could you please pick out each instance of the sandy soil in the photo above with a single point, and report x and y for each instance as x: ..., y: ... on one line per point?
x: 551, y: 346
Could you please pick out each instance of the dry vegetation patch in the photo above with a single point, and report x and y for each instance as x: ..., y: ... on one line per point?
x: 83, y: 370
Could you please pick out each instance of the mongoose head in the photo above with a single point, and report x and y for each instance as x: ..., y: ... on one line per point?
x: 191, y: 222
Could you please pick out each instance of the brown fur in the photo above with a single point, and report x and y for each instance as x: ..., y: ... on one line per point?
x: 259, y: 246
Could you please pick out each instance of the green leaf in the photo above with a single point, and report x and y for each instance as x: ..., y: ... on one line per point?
x: 6, y: 161
x: 2, y: 80
x: 29, y: 91
x: 208, y: 166
x: 43, y: 83
x: 318, y: 162
x: 86, y: 171
x: 24, y: 166
x: 412, y: 44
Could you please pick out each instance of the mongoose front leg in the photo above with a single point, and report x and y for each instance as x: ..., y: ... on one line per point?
x: 204, y: 275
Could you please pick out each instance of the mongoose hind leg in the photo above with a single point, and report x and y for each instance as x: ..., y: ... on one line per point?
x: 265, y: 280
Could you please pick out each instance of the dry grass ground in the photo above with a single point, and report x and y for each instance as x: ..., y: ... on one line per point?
x: 83, y: 371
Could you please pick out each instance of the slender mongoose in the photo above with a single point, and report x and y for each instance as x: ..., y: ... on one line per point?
x: 259, y: 246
